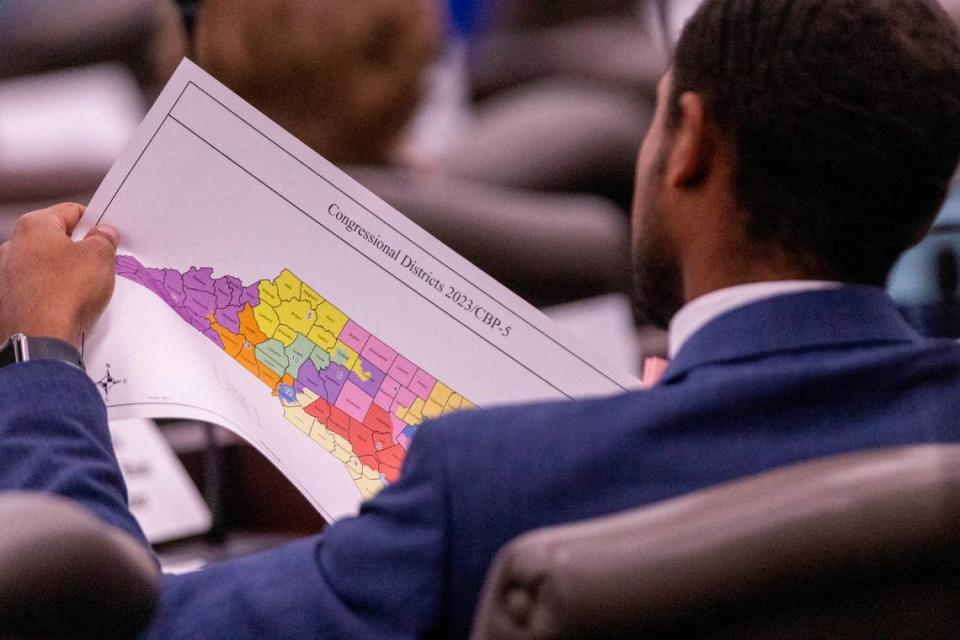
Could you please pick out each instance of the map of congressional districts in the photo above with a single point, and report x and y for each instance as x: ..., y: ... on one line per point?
x: 338, y: 384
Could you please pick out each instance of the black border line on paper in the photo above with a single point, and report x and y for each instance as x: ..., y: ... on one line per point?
x: 169, y: 116
x: 397, y: 231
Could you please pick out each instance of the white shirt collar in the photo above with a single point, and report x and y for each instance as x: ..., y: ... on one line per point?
x: 697, y: 313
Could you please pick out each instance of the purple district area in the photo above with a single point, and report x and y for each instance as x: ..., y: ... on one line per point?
x: 152, y: 279
x: 228, y: 291
x: 199, y: 279
x: 250, y: 295
x: 229, y: 317
x: 200, y: 303
x: 194, y: 295
x: 166, y: 284
x: 327, y: 383
x: 172, y: 281
x: 372, y: 385
x: 214, y: 337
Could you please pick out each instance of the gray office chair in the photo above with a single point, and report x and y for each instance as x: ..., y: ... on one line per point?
x: 65, y: 574
x: 925, y: 283
x: 858, y: 546
x: 44, y: 36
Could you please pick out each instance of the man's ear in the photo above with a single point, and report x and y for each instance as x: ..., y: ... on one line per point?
x: 693, y: 150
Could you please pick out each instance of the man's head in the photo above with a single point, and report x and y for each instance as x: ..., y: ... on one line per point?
x: 795, y: 139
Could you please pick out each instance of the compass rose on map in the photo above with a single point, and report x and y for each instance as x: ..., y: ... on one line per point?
x: 107, y: 382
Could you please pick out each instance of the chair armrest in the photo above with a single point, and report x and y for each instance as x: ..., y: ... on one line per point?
x: 66, y: 574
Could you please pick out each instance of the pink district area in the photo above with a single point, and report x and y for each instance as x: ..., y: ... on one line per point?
x: 354, y: 402
x: 378, y: 354
x: 423, y: 384
x: 402, y: 371
x: 354, y: 336
x: 361, y: 405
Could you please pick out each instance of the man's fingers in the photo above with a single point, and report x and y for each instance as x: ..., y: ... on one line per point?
x: 68, y: 214
x: 104, y: 237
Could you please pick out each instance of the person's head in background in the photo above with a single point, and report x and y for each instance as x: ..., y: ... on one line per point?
x: 342, y: 75
x: 795, y: 140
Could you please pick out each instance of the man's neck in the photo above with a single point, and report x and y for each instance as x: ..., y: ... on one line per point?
x: 726, y: 265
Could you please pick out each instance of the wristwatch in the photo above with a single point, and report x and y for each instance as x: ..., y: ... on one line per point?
x: 21, y: 348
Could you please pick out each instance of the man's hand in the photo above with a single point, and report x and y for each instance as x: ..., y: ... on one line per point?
x: 50, y: 285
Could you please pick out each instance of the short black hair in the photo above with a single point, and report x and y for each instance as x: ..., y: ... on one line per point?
x: 843, y: 117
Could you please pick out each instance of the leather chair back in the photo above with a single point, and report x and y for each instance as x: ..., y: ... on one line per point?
x: 857, y: 546
x: 65, y: 574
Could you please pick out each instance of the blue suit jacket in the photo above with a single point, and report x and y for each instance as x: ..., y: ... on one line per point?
x: 775, y: 382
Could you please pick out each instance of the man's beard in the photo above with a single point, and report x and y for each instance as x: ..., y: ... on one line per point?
x: 658, y: 282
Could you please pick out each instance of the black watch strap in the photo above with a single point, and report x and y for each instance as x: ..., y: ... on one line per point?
x: 21, y: 348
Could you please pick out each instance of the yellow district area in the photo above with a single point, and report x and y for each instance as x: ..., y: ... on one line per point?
x: 432, y: 409
x: 355, y: 468
x: 454, y: 403
x: 366, y: 479
x: 369, y: 483
x: 415, y: 412
x: 438, y: 401
x: 330, y: 440
x: 311, y: 296
x: 299, y: 418
x: 288, y: 285
x: 322, y: 338
x: 298, y: 315
x: 441, y: 394
x: 359, y: 370
x: 268, y: 293
x: 266, y: 318
x: 344, y: 356
x: 307, y: 397
x: 330, y: 318
x: 285, y: 334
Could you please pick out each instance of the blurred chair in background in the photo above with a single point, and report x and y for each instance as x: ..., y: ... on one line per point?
x: 926, y: 281
x: 75, y: 78
x: 564, y: 93
x: 60, y: 131
x: 54, y: 34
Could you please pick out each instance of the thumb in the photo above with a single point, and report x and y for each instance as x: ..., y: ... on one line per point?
x: 103, y: 234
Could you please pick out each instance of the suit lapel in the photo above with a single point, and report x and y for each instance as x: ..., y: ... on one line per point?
x: 795, y: 322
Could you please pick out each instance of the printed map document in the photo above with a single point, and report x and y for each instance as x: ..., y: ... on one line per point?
x: 262, y: 289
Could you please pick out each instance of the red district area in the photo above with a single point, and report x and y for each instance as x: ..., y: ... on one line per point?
x: 371, y: 439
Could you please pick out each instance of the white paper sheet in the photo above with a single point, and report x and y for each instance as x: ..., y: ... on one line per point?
x: 210, y: 183
x: 162, y: 497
